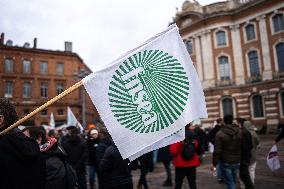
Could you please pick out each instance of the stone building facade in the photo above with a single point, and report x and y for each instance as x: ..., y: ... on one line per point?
x: 30, y: 76
x: 237, y: 47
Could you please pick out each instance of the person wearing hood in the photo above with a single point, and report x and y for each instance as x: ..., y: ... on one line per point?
x: 255, y: 143
x: 55, y: 161
x: 227, y: 151
x: 76, y: 149
x: 21, y: 164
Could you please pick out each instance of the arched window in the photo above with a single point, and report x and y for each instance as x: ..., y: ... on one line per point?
x: 253, y: 63
x: 227, y: 106
x: 280, y: 56
x: 278, y: 22
x: 282, y: 102
x: 224, y: 68
x: 257, y: 105
x: 221, y: 38
x: 250, y: 32
x: 188, y: 45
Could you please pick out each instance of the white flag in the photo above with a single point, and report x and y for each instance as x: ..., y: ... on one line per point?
x: 51, y: 121
x: 148, y: 94
x: 272, y: 159
x: 72, y: 121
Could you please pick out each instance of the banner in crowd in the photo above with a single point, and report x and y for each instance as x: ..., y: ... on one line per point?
x: 147, y: 96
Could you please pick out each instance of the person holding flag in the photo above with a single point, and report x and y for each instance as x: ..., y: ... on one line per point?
x: 21, y: 165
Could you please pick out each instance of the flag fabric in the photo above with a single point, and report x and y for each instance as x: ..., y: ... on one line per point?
x: 272, y: 159
x: 147, y: 96
x: 72, y: 121
x: 52, y: 121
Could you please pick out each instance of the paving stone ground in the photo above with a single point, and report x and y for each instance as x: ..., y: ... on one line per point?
x: 265, y: 179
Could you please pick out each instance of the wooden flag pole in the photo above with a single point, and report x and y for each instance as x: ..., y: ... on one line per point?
x: 48, y: 103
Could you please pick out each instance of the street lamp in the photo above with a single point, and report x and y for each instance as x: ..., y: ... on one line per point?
x: 79, y: 76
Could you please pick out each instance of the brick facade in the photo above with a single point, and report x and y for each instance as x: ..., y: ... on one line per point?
x: 72, y: 63
x: 199, y: 24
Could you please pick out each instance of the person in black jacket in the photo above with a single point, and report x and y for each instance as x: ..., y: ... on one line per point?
x: 165, y: 156
x: 55, y: 161
x: 104, y: 143
x: 281, y: 134
x: 212, y: 136
x: 77, y: 152
x: 146, y: 162
x: 92, y: 142
x: 245, y: 155
x: 114, y: 171
x: 21, y: 165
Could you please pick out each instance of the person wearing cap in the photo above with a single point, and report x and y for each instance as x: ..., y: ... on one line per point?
x: 92, y: 141
x: 21, y: 164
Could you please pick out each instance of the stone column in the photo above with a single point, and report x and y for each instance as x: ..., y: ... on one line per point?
x: 238, y: 57
x: 198, y: 55
x: 207, y: 56
x: 267, y: 73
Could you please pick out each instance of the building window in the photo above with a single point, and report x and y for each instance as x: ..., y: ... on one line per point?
x: 43, y: 67
x: 224, y: 68
x: 43, y: 113
x: 253, y: 63
x: 257, y: 106
x: 26, y: 66
x: 221, y: 38
x: 59, y: 68
x: 250, y: 32
x: 59, y: 88
x: 188, y: 45
x: 8, y: 89
x: 280, y: 56
x: 44, y: 90
x: 27, y: 90
x: 278, y: 22
x: 227, y: 106
x: 8, y: 63
x: 60, y: 112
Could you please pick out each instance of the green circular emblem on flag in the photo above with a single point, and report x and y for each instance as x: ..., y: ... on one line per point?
x: 149, y: 91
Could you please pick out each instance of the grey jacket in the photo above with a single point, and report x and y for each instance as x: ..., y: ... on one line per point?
x: 255, y: 140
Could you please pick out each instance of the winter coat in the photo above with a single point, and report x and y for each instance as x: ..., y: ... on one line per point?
x: 164, y: 154
x: 55, y: 169
x: 255, y: 140
x: 246, y: 147
x: 100, y: 150
x: 176, y: 150
x: 113, y: 169
x: 92, y: 144
x: 228, y: 145
x: 213, y: 132
x: 21, y: 163
x: 77, y: 153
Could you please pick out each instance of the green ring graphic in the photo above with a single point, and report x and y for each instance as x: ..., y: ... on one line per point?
x: 149, y: 91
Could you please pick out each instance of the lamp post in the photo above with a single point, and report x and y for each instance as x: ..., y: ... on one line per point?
x: 79, y: 76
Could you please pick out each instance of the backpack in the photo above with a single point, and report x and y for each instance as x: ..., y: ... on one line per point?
x: 70, y: 177
x: 188, y: 149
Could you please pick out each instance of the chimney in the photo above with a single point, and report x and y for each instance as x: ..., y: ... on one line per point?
x: 2, y: 39
x: 68, y: 46
x: 35, y: 43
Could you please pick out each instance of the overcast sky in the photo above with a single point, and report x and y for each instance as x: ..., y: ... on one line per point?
x: 100, y: 30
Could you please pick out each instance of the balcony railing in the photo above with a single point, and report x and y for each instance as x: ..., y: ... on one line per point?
x: 278, y: 75
x: 225, y: 82
x: 254, y: 79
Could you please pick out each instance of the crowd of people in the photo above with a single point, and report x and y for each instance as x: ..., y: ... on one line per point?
x: 32, y: 158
